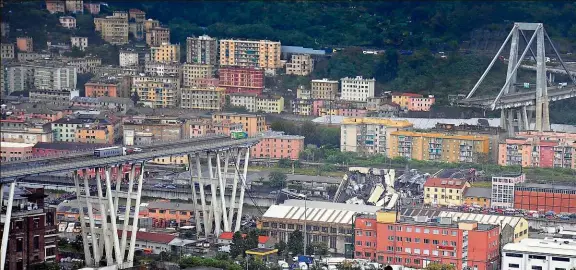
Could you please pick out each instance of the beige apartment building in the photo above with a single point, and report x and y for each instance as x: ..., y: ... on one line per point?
x: 192, y: 74
x: 150, y: 23
x: 157, y: 36
x: 203, y: 98
x: 157, y: 91
x: 165, y: 53
x: 324, y: 89
x: 113, y: 29
x: 75, y: 6
x: 7, y: 51
x: 80, y: 42
x: 249, y: 53
x: 300, y: 65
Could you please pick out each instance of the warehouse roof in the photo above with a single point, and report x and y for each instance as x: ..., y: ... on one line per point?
x: 339, y: 213
x: 478, y: 192
x: 561, y: 247
x: 485, y: 219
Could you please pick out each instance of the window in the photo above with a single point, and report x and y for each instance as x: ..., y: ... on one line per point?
x: 426, y: 231
x: 390, y: 248
x: 390, y: 227
x: 417, y: 261
x: 19, y: 245
x: 537, y: 257
x: 435, y: 252
x: 416, y: 240
x: 408, y: 229
x: 408, y: 250
x: 391, y: 238
x: 515, y: 255
x: 358, y: 243
x: 407, y: 260
x: 436, y: 232
x: 368, y: 233
x: 426, y: 241
x: 426, y: 252
x: 435, y: 242
x: 417, y: 230
x: 536, y: 267
x: 399, y: 228
x: 399, y: 239
x: 36, y: 242
x: 359, y: 233
x: 408, y: 239
x: 560, y: 259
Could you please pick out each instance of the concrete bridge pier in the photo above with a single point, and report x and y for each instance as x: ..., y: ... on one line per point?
x: 6, y: 218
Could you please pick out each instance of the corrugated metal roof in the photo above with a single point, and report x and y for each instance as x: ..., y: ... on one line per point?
x: 318, y: 211
x: 482, y: 218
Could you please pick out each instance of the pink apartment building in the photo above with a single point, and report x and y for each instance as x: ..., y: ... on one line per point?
x: 539, y: 149
x: 352, y: 112
x: 10, y: 151
x: 277, y: 145
x: 421, y: 103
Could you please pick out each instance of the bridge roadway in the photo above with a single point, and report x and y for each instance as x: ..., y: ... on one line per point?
x: 520, y: 99
x: 86, y: 155
x: 169, y: 149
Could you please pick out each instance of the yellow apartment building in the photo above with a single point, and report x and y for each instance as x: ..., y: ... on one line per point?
x: 192, y: 72
x: 252, y: 124
x: 202, y: 98
x: 113, y: 29
x: 270, y: 104
x: 250, y: 53
x: 369, y: 135
x: 165, y: 53
x: 156, y: 94
x: 444, y: 191
x: 440, y: 147
x: 95, y: 134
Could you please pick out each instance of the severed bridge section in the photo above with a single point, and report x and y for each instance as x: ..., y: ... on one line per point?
x: 98, y: 184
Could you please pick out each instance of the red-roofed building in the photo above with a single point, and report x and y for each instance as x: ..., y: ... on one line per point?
x: 445, y: 191
x: 225, y: 239
x: 152, y: 242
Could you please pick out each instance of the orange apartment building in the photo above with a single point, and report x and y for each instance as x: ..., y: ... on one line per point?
x: 101, y: 134
x: 108, y: 87
x: 252, y: 124
x: 55, y: 6
x: 417, y: 242
x: 277, y: 145
x: 165, y: 213
x: 539, y: 149
x: 24, y: 44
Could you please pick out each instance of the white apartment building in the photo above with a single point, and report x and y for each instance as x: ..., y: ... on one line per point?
x: 128, y: 58
x: 244, y: 100
x: 68, y: 22
x: 80, y: 42
x: 540, y: 254
x: 55, y: 77
x: 503, y: 190
x: 357, y: 89
x: 162, y: 69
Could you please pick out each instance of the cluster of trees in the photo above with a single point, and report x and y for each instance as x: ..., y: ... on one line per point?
x: 295, y: 246
x: 240, y: 244
x: 313, y: 133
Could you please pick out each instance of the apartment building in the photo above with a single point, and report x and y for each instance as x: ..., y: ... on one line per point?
x: 195, y: 75
x: 202, y: 98
x: 477, y: 196
x: 108, y: 103
x: 445, y: 192
x: 440, y: 147
x: 165, y: 53
x: 421, y: 104
x: 157, y: 36
x: 83, y: 65
x: 7, y: 51
x: 162, y: 128
x: 258, y: 103
x: 108, y: 87
x: 301, y: 107
x: 253, y: 124
x: 55, y: 6
x: 4, y: 29
x: 54, y: 76
x: 13, y: 151
x: 18, y: 78
x: 68, y: 22
x: 33, y: 235
x: 96, y: 133
x: 277, y: 145
x: 136, y: 15
x: 150, y: 23
x: 539, y: 149
x: 113, y: 29
x: 157, y: 94
x: 172, y: 213
x: 52, y: 96
x: 130, y: 57
x: 545, y: 198
x: 24, y: 44
x: 300, y: 65
x: 65, y: 129
x: 357, y: 89
x: 75, y: 6
x: 369, y: 135
x: 93, y: 8
x: 416, y: 242
x: 546, y: 254
x: 201, y: 50
x: 242, y: 79
x: 324, y: 89
x: 263, y: 54
x: 29, y: 134
x: 503, y: 187
x: 163, y: 69
x: 136, y: 23
x: 80, y: 42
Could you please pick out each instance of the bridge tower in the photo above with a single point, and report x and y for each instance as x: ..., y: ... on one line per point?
x: 521, y: 118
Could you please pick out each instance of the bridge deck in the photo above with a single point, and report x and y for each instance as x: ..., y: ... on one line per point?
x: 513, y: 100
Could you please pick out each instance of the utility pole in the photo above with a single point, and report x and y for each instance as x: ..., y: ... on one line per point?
x: 305, y: 217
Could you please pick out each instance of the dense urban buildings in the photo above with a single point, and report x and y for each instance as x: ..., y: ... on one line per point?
x: 258, y: 103
x: 7, y: 51
x: 357, y: 89
x: 263, y: 54
x: 369, y: 135
x: 33, y: 233
x: 324, y: 89
x: 277, y: 145
x: 50, y: 96
x: 300, y: 64
x: 439, y: 147
x: 196, y: 75
x: 413, y: 102
x: 416, y: 242
x: 242, y: 79
x: 539, y: 149
x: 253, y: 124
x: 157, y: 36
x: 201, y: 50
x: 209, y: 98
x: 113, y: 29
x: 108, y: 87
x: 80, y: 42
x: 165, y: 53
x: 445, y: 191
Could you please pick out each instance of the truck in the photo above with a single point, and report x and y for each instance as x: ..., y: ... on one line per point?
x: 110, y: 151
x: 238, y: 135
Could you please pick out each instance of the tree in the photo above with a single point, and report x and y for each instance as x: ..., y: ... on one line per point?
x: 296, y: 242
x: 238, y: 245
x: 439, y: 266
x: 280, y: 246
x: 251, y: 240
x: 277, y: 179
x: 284, y: 163
x: 319, y: 248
